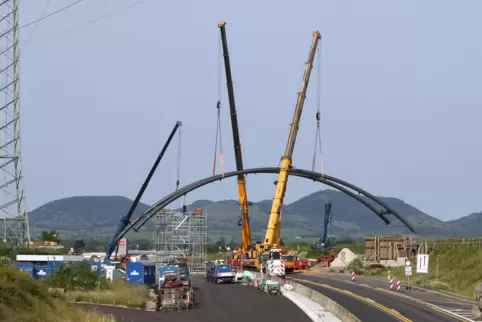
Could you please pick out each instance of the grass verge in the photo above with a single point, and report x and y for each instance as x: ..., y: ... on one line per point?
x: 458, y: 271
x: 25, y: 300
x: 117, y: 293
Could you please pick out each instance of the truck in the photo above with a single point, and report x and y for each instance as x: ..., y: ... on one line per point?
x: 272, y: 263
x: 220, y: 274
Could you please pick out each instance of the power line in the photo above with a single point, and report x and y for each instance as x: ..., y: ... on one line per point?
x: 51, y: 14
x: 106, y: 16
x: 36, y: 24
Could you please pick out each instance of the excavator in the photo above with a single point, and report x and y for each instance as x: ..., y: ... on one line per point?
x: 245, y: 250
x: 273, y: 232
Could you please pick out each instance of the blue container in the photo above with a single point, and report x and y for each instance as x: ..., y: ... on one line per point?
x: 25, y: 267
x: 95, y: 267
x: 141, y: 273
x: 41, y: 272
x: 55, y: 265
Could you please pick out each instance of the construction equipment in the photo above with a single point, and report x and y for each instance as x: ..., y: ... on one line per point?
x: 243, y: 201
x: 273, y: 264
x: 272, y: 236
x: 125, y: 221
x: 324, y: 242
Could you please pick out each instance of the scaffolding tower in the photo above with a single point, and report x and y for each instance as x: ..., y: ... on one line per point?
x: 13, y: 216
x: 181, y: 236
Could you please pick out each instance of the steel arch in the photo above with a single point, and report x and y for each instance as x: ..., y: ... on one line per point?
x: 334, y: 182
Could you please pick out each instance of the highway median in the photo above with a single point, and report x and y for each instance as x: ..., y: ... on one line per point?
x: 331, y: 306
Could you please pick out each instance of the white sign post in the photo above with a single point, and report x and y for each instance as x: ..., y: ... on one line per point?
x: 408, y: 273
x: 422, y: 263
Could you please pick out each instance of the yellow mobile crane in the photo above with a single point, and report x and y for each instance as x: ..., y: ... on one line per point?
x: 272, y: 237
x: 243, y: 200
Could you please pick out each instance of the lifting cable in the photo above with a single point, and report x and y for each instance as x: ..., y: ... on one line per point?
x: 218, y: 126
x: 318, y: 117
x: 219, y: 138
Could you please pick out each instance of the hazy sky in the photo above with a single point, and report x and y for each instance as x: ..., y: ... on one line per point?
x: 400, y: 97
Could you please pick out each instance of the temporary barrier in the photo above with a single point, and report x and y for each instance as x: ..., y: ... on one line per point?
x: 391, y: 283
x: 398, y: 285
x: 353, y: 276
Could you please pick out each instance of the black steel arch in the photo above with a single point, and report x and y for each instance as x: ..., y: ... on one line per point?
x: 315, y: 176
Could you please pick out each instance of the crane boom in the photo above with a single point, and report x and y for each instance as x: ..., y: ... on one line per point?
x: 272, y: 233
x: 243, y: 199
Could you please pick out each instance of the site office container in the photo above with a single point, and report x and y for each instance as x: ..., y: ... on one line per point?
x: 41, y: 272
x: 95, y: 267
x: 141, y: 273
x: 25, y: 267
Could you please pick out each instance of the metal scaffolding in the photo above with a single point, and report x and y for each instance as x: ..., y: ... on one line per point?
x: 14, y: 215
x: 181, y: 236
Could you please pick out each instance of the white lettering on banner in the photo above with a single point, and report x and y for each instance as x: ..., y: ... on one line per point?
x: 422, y: 263
x: 41, y: 273
x: 134, y: 273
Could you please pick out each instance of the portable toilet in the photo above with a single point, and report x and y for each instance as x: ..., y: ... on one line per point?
x: 141, y: 272
x: 41, y: 272
x: 25, y: 267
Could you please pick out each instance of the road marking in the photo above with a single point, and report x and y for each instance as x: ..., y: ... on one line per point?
x: 371, y: 302
x: 450, y: 313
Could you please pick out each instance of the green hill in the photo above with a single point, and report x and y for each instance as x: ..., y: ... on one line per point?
x: 100, y: 215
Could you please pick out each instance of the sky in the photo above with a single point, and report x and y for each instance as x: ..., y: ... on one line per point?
x: 400, y: 97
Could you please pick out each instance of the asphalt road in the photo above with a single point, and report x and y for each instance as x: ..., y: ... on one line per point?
x: 230, y: 302
x: 366, y: 312
x: 421, y: 294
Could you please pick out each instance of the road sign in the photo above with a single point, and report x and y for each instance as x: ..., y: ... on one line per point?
x: 422, y: 263
x: 407, y: 263
x: 408, y: 270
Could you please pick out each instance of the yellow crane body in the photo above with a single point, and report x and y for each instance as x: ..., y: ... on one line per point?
x: 272, y: 236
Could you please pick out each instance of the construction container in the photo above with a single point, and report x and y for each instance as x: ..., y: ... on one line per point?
x: 95, y: 267
x: 41, y: 272
x: 25, y: 267
x: 141, y: 273
x: 55, y: 265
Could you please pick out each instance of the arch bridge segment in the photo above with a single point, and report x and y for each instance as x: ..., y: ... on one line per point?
x: 331, y: 181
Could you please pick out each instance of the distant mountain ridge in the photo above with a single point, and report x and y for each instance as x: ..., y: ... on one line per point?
x: 100, y: 215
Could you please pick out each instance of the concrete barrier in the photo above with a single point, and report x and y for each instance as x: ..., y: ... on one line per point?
x: 329, y: 305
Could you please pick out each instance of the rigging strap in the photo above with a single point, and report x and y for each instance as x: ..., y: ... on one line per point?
x: 318, y: 117
x: 220, y: 138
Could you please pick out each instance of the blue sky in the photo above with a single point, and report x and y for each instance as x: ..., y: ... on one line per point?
x: 400, y: 97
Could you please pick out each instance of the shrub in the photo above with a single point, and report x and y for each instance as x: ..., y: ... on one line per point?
x: 76, y: 276
x: 23, y: 299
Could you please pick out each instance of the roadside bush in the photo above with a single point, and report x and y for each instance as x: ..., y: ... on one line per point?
x: 5, y: 261
x: 76, y: 277
x: 356, y: 266
x: 23, y: 299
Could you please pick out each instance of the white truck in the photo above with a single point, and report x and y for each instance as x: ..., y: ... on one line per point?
x: 274, y: 265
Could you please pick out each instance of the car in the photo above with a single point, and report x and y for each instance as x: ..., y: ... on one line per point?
x: 220, y: 274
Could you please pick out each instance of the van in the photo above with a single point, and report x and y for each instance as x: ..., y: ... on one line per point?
x: 220, y: 274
